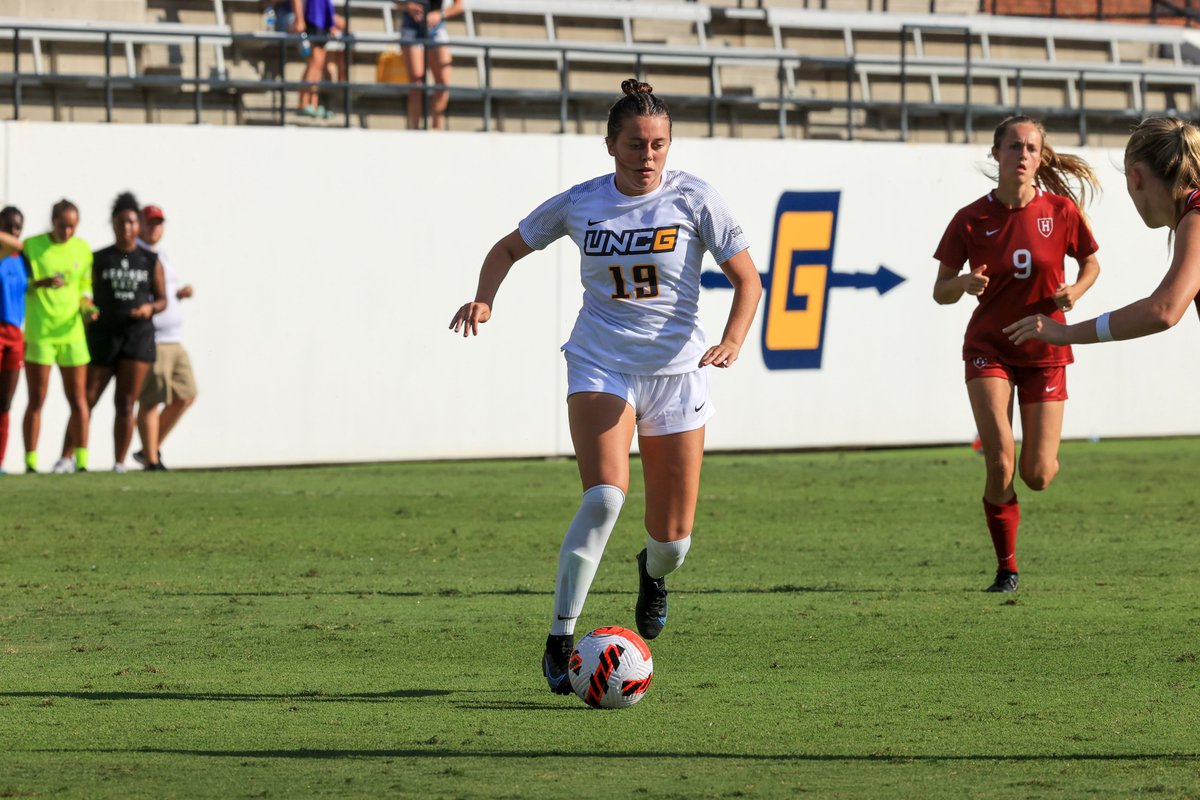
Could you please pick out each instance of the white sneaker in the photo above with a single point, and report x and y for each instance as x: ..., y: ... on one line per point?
x: 63, y: 466
x: 120, y: 469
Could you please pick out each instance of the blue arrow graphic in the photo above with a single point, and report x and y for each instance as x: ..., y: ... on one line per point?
x: 883, y: 280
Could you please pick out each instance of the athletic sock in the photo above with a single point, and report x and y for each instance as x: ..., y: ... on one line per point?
x: 31, y: 460
x: 580, y: 554
x: 1002, y: 522
x: 81, y: 458
x: 3, y: 435
x: 663, y: 558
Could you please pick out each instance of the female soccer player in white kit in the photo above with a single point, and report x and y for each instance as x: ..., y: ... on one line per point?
x: 636, y: 357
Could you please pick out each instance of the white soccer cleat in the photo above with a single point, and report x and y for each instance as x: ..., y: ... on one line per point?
x: 64, y: 466
x: 120, y: 469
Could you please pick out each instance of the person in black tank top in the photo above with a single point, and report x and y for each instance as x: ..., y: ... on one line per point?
x: 129, y: 288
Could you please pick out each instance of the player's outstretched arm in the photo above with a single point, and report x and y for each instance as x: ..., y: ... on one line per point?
x: 1165, y: 306
x: 747, y: 291
x: 950, y: 286
x: 499, y: 261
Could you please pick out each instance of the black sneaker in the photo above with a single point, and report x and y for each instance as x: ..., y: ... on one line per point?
x: 154, y: 466
x: 651, y: 610
x: 556, y: 661
x: 140, y: 457
x: 1005, y: 582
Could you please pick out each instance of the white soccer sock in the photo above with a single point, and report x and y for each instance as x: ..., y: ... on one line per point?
x: 663, y: 558
x: 580, y: 554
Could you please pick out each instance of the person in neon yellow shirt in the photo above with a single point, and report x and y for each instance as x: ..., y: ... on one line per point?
x: 59, y: 298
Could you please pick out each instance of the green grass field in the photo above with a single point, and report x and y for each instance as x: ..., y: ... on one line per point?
x: 375, y: 631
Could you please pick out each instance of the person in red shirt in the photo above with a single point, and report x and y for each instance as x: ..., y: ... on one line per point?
x: 1014, y: 241
x: 1162, y: 175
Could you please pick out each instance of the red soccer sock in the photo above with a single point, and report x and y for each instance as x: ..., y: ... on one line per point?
x: 1002, y: 522
x: 3, y: 435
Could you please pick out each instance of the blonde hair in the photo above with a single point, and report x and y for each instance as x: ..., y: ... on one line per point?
x: 1059, y: 173
x: 1170, y: 148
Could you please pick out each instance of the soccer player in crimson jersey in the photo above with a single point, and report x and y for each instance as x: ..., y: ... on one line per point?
x: 1162, y: 175
x: 1014, y: 241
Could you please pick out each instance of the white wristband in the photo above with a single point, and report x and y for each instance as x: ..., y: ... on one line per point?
x: 1103, y: 333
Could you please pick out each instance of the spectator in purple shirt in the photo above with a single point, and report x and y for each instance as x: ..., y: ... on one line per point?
x: 316, y: 20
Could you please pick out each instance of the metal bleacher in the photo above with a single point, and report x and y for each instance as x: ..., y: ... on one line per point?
x: 767, y: 68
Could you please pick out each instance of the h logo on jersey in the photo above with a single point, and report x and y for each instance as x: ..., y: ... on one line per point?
x: 1046, y: 226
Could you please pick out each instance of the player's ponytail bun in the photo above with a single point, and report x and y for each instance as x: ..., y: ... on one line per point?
x: 634, y: 86
x: 638, y: 100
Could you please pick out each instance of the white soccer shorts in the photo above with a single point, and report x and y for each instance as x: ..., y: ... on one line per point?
x: 663, y: 404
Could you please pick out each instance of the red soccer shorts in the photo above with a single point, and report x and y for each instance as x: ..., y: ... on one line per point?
x: 1034, y: 384
x: 12, y: 347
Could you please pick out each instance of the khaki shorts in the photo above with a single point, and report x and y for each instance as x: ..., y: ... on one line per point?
x: 170, y: 378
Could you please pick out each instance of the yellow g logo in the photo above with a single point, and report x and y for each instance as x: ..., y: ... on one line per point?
x: 800, y: 277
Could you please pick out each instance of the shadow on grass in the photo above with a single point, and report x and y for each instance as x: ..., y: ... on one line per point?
x: 352, y: 697
x: 515, y: 705
x: 651, y: 757
x: 787, y: 588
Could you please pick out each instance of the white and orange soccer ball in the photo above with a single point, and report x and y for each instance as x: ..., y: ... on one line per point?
x: 611, y: 668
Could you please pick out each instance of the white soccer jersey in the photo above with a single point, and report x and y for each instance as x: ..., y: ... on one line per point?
x: 640, y: 263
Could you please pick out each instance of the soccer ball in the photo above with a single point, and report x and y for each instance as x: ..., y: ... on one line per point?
x: 611, y: 668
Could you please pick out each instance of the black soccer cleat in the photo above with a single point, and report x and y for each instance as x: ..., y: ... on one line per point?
x: 556, y: 661
x: 1005, y: 582
x: 651, y: 610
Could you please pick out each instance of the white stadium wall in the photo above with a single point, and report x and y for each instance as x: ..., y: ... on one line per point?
x: 327, y: 264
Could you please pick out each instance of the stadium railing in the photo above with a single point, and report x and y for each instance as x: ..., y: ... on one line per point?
x: 127, y: 38
x: 627, y: 15
x: 909, y: 83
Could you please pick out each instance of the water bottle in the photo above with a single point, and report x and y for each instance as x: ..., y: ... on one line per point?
x: 269, y: 18
x: 305, y: 46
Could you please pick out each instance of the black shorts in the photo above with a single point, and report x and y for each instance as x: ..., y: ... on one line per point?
x: 109, y: 344
x: 313, y: 30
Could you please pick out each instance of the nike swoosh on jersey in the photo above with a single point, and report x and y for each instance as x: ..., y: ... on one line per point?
x: 992, y: 233
x: 596, y: 221
x: 1051, y: 388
